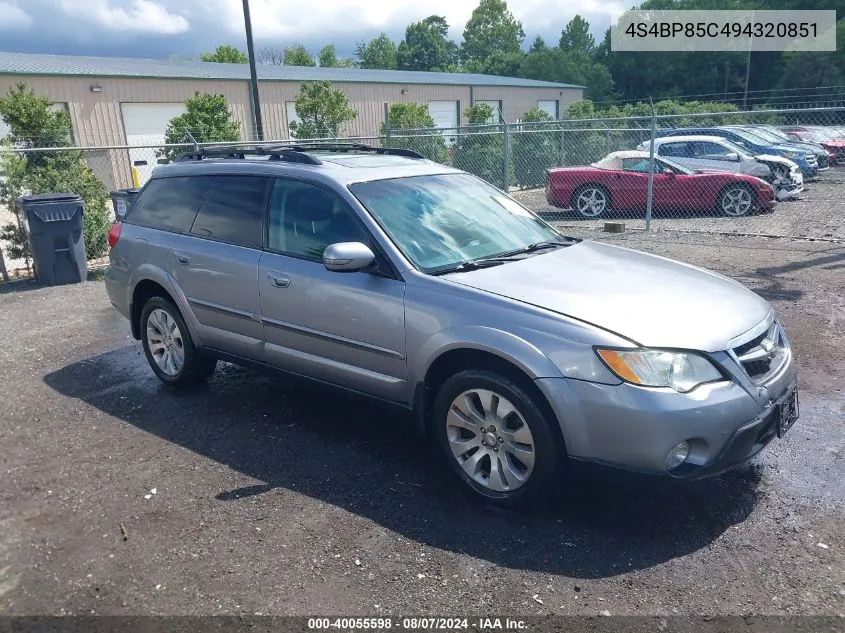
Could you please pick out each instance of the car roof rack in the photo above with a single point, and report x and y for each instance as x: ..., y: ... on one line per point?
x: 351, y: 147
x: 242, y: 151
x: 294, y: 153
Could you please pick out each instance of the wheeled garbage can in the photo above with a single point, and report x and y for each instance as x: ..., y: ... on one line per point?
x: 121, y: 200
x: 53, y: 223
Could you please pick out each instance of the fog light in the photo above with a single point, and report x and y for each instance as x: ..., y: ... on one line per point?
x: 677, y: 455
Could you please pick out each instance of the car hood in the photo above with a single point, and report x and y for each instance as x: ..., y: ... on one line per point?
x: 653, y: 301
x: 799, y: 149
x: 771, y: 158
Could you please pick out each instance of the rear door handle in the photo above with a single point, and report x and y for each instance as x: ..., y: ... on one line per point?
x: 182, y: 258
x: 279, y: 280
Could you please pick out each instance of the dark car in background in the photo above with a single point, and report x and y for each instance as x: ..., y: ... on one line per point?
x: 755, y: 144
x: 770, y: 132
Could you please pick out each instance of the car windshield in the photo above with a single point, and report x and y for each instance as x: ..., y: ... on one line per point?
x: 445, y: 220
x: 766, y: 135
x: 773, y: 133
x: 814, y: 135
x: 749, y: 137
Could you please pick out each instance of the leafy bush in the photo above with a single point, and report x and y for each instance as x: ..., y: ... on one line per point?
x: 535, y: 149
x: 412, y: 127
x: 480, y: 149
x: 207, y: 118
x: 321, y: 110
x: 34, y: 124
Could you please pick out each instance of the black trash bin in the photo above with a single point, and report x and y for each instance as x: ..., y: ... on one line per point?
x: 53, y: 223
x: 121, y: 200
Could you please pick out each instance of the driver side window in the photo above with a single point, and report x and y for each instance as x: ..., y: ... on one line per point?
x: 639, y: 165
x: 304, y: 219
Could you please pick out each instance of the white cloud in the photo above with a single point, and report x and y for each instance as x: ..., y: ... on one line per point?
x: 275, y: 19
x: 143, y: 16
x: 13, y: 17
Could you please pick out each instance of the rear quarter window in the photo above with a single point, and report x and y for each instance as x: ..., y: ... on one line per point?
x: 170, y: 204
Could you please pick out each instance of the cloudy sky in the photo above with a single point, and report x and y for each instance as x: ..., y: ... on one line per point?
x: 161, y: 28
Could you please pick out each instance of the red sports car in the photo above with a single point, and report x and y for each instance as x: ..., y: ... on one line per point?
x: 620, y: 181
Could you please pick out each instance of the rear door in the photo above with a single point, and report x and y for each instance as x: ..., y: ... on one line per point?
x: 216, y: 263
x: 344, y: 328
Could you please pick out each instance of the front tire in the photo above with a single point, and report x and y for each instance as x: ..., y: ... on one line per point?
x: 168, y: 346
x: 495, y: 437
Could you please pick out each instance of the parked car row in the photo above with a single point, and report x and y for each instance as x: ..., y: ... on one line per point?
x: 831, y: 138
x: 620, y: 181
x: 733, y: 169
x: 720, y: 154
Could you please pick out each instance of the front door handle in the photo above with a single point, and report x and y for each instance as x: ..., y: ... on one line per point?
x: 279, y: 280
x: 182, y: 258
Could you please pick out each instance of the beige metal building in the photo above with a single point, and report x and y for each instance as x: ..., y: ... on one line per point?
x: 128, y: 102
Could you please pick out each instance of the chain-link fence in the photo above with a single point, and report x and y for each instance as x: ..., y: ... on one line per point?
x: 761, y: 172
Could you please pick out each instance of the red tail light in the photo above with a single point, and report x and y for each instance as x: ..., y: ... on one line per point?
x: 114, y: 234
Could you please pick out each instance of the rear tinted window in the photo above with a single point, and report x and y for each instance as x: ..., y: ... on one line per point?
x: 233, y: 210
x: 170, y: 203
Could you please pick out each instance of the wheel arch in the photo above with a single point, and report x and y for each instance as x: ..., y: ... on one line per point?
x: 501, y: 352
x: 150, y: 281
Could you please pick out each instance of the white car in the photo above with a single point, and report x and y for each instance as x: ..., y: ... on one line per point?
x: 715, y: 153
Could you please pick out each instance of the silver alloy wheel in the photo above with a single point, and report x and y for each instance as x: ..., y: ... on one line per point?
x: 591, y: 202
x: 736, y: 201
x: 490, y: 440
x: 164, y: 339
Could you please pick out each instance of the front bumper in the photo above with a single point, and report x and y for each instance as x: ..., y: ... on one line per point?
x: 630, y: 427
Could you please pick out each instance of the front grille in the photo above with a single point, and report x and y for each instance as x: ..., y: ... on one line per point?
x: 757, y: 367
x: 763, y: 354
x: 746, y: 347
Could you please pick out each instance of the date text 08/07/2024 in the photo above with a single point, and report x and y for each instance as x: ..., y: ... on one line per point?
x: 417, y: 623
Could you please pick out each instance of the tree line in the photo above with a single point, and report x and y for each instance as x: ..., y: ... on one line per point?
x: 494, y: 43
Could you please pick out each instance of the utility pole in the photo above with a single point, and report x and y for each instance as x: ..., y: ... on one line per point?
x: 256, y: 104
x: 747, y: 62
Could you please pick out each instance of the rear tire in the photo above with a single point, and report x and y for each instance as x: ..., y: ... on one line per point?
x: 591, y: 201
x: 168, y: 346
x: 495, y: 437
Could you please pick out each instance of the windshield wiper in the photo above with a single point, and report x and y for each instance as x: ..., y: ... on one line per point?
x: 503, y: 258
x: 536, y: 246
x: 472, y: 264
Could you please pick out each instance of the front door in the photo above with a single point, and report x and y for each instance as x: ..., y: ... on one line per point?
x: 344, y: 328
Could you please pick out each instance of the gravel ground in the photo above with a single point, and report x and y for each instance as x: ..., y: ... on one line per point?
x: 819, y: 211
x: 275, y: 499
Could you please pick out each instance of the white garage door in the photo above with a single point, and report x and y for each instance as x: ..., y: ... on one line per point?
x: 445, y: 115
x: 145, y: 124
x: 549, y: 107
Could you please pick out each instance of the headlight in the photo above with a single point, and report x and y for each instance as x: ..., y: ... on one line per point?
x: 791, y: 154
x: 682, y: 371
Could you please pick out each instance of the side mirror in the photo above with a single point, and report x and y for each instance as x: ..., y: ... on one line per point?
x: 733, y: 156
x: 668, y: 173
x: 347, y: 257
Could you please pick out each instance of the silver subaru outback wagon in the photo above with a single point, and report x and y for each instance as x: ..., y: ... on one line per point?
x: 516, y: 348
